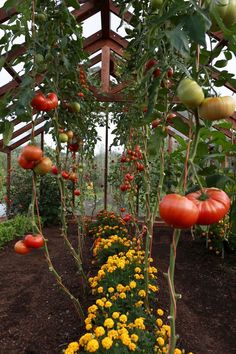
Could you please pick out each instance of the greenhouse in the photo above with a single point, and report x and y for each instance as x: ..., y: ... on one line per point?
x: 117, y: 176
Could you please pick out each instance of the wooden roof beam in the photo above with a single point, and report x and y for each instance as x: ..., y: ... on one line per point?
x: 6, y: 15
x: 26, y: 138
x: 105, y: 19
x: 116, y: 11
x: 90, y: 8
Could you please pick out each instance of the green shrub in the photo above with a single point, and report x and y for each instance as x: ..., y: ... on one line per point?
x: 16, y: 227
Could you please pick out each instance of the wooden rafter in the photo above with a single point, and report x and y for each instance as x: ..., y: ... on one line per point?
x: 26, y: 138
x: 105, y: 19
x: 90, y: 8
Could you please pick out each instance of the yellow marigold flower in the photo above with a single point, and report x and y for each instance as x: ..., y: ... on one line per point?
x: 108, y: 304
x: 115, y: 315
x: 137, y: 270
x: 122, y: 295
x: 100, y: 289
x: 123, y: 318
x: 111, y: 290
x: 133, y: 284
x: 69, y: 351
x: 136, y: 276
x: 153, y: 288
x: 120, y: 288
x: 107, y: 342
x: 92, y: 308
x: 138, y: 323
x: 160, y: 312
x: 85, y: 338
x: 92, y: 346
x: 134, y: 337
x: 109, y: 323
x: 160, y: 341
x: 142, y: 293
x: 87, y: 320
x: 177, y: 351
x: 132, y: 347
x: 101, y: 273
x: 139, y: 303
x: 88, y: 327
x: 113, y: 334
x: 159, y: 322
x: 99, y: 331
x: 99, y: 302
x: 167, y: 329
x: 74, y: 346
x: 164, y: 350
x: 125, y: 339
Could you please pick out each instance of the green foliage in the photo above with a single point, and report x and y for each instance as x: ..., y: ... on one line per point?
x: 16, y: 227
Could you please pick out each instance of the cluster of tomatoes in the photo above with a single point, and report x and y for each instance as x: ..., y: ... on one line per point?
x: 82, y: 78
x: 158, y: 121
x: 31, y: 158
x: 204, y: 207
x: 151, y: 64
x: 71, y: 176
x: 131, y: 156
x: 40, y: 102
x: 28, y: 243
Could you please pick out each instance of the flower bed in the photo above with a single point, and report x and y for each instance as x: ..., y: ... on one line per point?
x: 119, y: 321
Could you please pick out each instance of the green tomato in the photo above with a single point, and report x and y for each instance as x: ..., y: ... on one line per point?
x: 190, y: 93
x: 226, y: 9
x: 63, y: 137
x: 39, y: 58
x: 41, y: 17
x: 74, y: 107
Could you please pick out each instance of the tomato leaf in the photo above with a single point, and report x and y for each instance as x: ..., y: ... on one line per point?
x: 196, y: 27
x: 74, y: 3
x: 179, y: 40
x: 7, y: 132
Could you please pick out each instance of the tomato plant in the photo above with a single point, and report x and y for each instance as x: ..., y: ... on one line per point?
x: 177, y: 212
x: 212, y: 203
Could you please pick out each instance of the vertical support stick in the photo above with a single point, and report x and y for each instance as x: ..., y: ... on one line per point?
x: 170, y: 144
x: 42, y: 141
x: 8, y: 182
x: 106, y: 163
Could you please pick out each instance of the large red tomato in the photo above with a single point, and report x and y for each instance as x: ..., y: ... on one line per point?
x: 21, y: 248
x: 178, y: 211
x: 39, y: 102
x: 52, y: 101
x: 27, y: 165
x: 33, y: 241
x: 212, y: 204
x: 32, y: 153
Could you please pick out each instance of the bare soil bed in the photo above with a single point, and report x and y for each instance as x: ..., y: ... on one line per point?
x: 36, y: 317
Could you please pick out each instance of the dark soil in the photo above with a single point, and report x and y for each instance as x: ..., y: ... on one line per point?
x: 36, y: 317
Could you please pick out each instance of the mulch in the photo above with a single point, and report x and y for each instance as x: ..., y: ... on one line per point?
x: 36, y: 317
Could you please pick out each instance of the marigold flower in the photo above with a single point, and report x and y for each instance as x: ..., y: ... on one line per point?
x: 109, y: 323
x: 133, y: 284
x: 92, y: 346
x: 132, y: 347
x: 134, y: 337
x: 111, y: 290
x: 142, y: 293
x: 107, y: 342
x: 115, y: 315
x: 108, y: 304
x: 160, y: 312
x: 160, y: 341
x: 122, y: 295
x: 177, y: 351
x: 123, y: 318
x: 159, y: 322
x: 100, y: 289
x: 99, y: 331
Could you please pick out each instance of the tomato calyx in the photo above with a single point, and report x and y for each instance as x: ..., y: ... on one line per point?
x: 203, y: 196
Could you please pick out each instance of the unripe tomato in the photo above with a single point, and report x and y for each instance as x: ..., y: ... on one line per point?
x: 63, y: 137
x: 215, y: 108
x: 177, y: 212
x: 32, y: 153
x: 21, y: 248
x: 34, y: 241
x: 74, y: 107
x: 70, y: 134
x: 73, y: 177
x: 190, y: 93
x: 156, y: 4
x: 44, y: 166
x: 226, y: 9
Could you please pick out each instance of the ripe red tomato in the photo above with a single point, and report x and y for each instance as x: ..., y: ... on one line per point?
x: 123, y: 158
x: 73, y: 147
x: 21, y: 248
x: 27, y: 165
x: 123, y: 187
x: 39, y: 102
x: 127, y: 217
x: 73, y: 177
x: 32, y: 153
x: 52, y: 101
x: 155, y: 123
x: 149, y: 64
x: 54, y: 170
x: 170, y: 72
x: 77, y: 192
x: 176, y: 211
x: 80, y: 94
x: 140, y: 166
x: 44, y: 166
x: 170, y: 117
x: 213, y: 205
x: 122, y: 210
x: 34, y: 241
x: 65, y: 174
x: 156, y: 72
x: 129, y: 177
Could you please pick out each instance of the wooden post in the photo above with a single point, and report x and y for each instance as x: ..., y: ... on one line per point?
x: 106, y: 162
x: 170, y: 144
x: 8, y: 182
x: 42, y: 141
